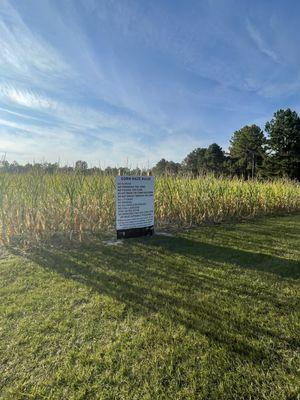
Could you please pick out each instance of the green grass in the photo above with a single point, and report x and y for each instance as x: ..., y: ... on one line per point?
x: 211, y: 313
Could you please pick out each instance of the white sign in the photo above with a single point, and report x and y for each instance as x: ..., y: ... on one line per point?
x: 134, y: 202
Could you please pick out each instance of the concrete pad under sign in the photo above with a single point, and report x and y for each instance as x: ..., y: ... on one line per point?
x: 113, y: 242
x: 168, y: 234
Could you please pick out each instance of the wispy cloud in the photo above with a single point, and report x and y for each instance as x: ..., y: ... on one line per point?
x: 116, y: 80
x: 80, y: 128
x: 71, y: 114
x: 26, y: 98
x: 22, y: 51
x: 259, y: 41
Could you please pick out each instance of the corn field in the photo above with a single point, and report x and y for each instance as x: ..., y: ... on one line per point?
x: 37, y: 205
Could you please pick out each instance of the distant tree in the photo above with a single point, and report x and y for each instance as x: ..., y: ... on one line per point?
x: 173, y: 168
x: 195, y: 162
x: 166, y: 167
x: 247, y: 150
x: 27, y: 167
x: 66, y: 169
x: 284, y: 144
x: 160, y: 167
x: 50, y: 168
x: 4, y: 165
x: 136, y: 171
x: 111, y: 171
x: 214, y: 159
x: 229, y: 167
x: 81, y: 165
x: 124, y: 171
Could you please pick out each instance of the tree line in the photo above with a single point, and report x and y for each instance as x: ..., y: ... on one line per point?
x: 79, y: 166
x: 253, y: 153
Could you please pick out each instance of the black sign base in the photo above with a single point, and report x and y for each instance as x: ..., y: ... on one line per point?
x: 135, y: 232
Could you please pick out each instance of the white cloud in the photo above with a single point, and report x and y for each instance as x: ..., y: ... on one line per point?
x: 66, y: 129
x: 23, y: 52
x: 26, y: 98
x: 32, y: 85
x: 260, y: 42
x: 85, y: 84
x: 22, y: 115
x: 75, y: 116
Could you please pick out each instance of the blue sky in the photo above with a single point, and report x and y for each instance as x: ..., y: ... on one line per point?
x: 116, y: 82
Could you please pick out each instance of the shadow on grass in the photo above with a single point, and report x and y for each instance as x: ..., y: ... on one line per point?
x: 173, y: 277
x: 285, y: 268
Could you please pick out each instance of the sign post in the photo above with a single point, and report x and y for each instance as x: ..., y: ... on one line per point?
x: 134, y: 206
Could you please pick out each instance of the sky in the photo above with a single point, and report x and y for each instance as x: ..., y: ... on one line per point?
x: 131, y: 82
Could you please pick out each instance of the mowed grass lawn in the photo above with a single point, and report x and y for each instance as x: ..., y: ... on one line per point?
x: 211, y: 313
